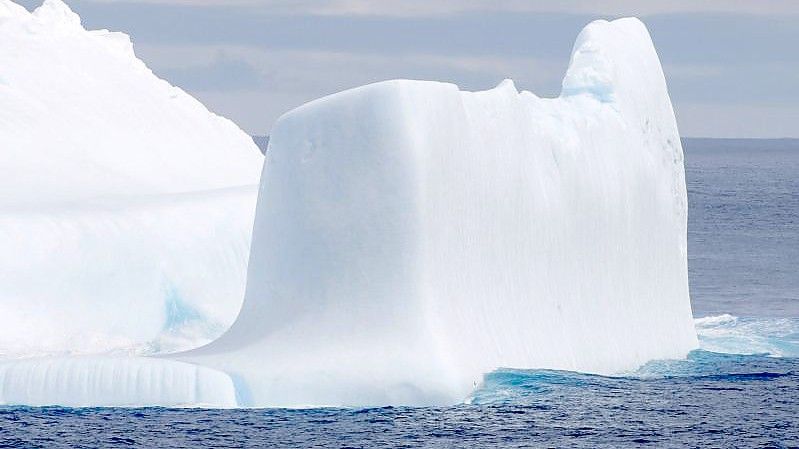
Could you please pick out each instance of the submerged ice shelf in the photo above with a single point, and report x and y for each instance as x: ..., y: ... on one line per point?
x: 409, y: 237
x: 90, y: 381
x: 136, y: 381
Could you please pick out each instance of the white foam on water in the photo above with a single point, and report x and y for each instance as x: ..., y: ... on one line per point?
x: 778, y: 337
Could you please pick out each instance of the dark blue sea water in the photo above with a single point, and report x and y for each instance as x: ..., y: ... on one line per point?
x: 743, y: 226
x: 743, y: 249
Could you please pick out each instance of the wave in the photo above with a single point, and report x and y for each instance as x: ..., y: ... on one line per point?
x: 734, y: 352
x: 728, y: 334
x: 701, y: 369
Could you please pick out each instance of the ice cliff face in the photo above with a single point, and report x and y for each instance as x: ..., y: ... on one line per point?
x: 410, y: 236
x: 125, y: 205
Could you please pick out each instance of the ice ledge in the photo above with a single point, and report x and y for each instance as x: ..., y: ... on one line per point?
x: 113, y: 382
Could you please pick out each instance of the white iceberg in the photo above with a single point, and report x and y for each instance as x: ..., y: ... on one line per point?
x: 126, y: 207
x: 411, y: 237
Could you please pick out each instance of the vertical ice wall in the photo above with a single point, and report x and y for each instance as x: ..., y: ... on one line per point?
x: 126, y: 206
x: 410, y: 237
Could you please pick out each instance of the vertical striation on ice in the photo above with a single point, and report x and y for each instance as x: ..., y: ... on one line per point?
x: 410, y: 237
x: 112, y: 382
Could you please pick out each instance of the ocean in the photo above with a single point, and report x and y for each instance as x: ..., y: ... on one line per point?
x: 741, y: 389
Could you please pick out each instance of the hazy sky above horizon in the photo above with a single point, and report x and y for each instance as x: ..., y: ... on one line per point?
x: 732, y: 66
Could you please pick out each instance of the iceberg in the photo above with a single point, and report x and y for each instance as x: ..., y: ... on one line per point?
x: 410, y: 237
x: 126, y: 207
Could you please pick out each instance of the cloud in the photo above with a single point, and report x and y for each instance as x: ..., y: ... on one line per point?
x: 754, y: 121
x: 223, y: 73
x: 710, y: 99
x: 680, y: 38
x: 289, y: 78
x: 758, y: 85
x: 253, y: 60
x: 427, y: 8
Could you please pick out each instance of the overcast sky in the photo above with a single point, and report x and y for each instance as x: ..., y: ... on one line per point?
x: 732, y: 66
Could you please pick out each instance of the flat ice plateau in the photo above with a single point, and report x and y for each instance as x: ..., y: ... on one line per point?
x: 126, y: 207
x: 409, y: 237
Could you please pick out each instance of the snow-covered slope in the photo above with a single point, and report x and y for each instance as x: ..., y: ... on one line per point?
x: 410, y: 237
x: 126, y: 206
x: 82, y: 117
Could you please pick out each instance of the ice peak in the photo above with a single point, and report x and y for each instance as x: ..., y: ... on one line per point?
x: 507, y: 85
x: 57, y: 12
x: 599, y: 49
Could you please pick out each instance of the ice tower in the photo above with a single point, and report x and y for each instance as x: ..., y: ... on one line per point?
x: 410, y: 237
